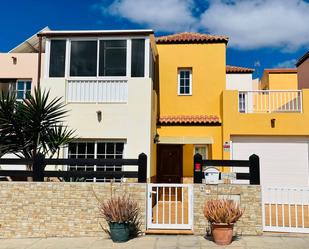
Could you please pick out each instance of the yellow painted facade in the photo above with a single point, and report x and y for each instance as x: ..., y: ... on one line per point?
x: 209, y: 97
x: 286, y: 124
x: 279, y: 80
x: 207, y: 62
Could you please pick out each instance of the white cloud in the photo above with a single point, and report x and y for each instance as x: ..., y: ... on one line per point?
x: 250, y: 24
x: 286, y: 64
x: 160, y: 15
x: 260, y: 23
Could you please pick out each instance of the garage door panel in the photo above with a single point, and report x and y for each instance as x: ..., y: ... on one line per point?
x: 283, y: 162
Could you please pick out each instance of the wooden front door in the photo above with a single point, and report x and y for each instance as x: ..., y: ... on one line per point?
x: 169, y: 164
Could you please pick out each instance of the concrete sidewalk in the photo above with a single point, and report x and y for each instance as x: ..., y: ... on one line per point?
x: 158, y: 242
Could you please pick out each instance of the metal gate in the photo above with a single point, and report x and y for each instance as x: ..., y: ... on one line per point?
x: 285, y: 209
x: 169, y: 206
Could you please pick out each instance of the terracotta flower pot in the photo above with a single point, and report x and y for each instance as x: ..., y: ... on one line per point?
x: 222, y: 233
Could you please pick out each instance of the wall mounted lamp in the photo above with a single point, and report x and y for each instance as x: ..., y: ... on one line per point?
x: 99, y: 115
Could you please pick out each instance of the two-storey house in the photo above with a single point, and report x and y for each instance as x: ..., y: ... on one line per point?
x: 107, y: 80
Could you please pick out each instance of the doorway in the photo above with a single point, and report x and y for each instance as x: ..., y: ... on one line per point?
x: 169, y: 163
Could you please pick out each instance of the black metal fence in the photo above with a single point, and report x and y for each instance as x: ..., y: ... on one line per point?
x: 39, y: 164
x: 253, y: 164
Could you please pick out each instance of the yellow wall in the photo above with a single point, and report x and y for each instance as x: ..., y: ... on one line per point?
x: 235, y: 123
x: 279, y: 81
x: 208, y: 78
x: 207, y: 62
x: 215, y: 150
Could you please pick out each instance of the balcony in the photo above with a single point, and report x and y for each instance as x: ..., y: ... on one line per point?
x: 97, y: 91
x: 270, y: 101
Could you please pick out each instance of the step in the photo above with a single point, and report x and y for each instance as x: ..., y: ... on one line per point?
x: 168, y: 231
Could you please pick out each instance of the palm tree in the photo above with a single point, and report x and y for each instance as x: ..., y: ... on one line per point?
x: 33, y: 126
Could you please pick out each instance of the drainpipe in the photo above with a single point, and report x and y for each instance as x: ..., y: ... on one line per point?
x: 39, y: 61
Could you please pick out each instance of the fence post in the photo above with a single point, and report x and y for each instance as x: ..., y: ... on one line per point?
x: 197, y: 168
x: 254, y: 170
x: 142, y: 168
x: 38, y: 168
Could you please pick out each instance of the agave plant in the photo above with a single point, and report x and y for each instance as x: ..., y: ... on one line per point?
x: 32, y: 126
x: 222, y: 211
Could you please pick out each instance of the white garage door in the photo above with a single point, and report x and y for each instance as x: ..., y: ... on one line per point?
x: 283, y: 161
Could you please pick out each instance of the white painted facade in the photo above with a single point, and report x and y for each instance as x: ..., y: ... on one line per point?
x: 127, y: 111
x: 239, y: 81
x: 283, y: 160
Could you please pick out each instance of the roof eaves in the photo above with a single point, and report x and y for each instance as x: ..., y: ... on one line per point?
x: 302, y: 59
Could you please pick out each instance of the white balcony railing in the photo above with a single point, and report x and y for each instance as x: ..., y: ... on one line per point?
x: 270, y: 101
x: 97, y: 91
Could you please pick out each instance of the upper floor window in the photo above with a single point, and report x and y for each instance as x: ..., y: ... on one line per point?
x: 138, y: 58
x: 113, y: 58
x: 184, y: 81
x: 83, y: 58
x: 23, y: 89
x: 57, y: 58
x: 97, y: 57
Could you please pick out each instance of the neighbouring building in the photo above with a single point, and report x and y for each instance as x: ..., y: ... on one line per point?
x: 303, y: 71
x: 19, y: 73
x: 279, y: 79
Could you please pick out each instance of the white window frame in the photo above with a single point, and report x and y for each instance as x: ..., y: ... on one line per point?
x: 190, y: 81
x: 66, y: 153
x: 24, y: 89
x: 201, y: 146
x: 97, y: 77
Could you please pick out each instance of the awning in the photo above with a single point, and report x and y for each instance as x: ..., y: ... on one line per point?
x: 185, y: 140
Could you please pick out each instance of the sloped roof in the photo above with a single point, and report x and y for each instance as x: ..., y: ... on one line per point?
x: 31, y: 45
x: 189, y: 119
x: 302, y: 59
x: 236, y: 69
x: 191, y: 37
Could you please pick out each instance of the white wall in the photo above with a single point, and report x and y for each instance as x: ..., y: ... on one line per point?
x: 129, y: 121
x: 240, y: 82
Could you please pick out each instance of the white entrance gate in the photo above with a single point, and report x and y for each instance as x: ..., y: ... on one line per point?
x: 285, y: 209
x: 169, y: 206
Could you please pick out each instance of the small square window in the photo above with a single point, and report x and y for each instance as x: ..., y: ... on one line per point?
x: 184, y: 81
x: 23, y: 89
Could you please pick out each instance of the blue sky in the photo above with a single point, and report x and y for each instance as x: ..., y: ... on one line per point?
x: 273, y: 33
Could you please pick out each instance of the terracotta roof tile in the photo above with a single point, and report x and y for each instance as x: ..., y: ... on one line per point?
x: 190, y: 37
x: 280, y: 70
x: 234, y: 69
x: 189, y: 119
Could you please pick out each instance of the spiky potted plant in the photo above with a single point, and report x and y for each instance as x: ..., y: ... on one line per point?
x: 122, y: 215
x: 222, y: 215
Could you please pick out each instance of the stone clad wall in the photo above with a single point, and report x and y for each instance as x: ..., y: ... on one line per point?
x: 50, y: 209
x: 248, y: 195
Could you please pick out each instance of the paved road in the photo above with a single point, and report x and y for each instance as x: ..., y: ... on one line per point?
x: 158, y: 242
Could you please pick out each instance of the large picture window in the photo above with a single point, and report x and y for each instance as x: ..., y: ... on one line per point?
x: 83, y: 58
x: 113, y: 58
x: 97, y: 57
x: 57, y: 58
x: 96, y: 150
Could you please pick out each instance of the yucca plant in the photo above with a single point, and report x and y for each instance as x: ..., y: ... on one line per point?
x: 33, y: 126
x: 222, y: 211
